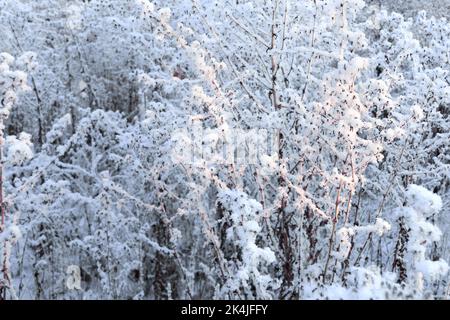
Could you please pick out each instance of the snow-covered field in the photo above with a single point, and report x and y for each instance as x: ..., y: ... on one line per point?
x: 198, y: 149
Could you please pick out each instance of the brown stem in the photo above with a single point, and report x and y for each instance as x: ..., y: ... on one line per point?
x: 333, y: 230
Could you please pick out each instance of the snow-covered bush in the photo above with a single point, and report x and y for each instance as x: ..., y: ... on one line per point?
x: 416, y: 235
x: 12, y: 82
x: 257, y: 149
x: 245, y: 216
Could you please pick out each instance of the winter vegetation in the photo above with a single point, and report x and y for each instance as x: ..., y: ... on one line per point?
x: 224, y: 149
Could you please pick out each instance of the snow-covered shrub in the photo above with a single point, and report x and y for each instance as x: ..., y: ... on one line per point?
x: 19, y: 150
x: 12, y: 82
x: 146, y: 119
x: 417, y: 235
x: 246, y: 279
